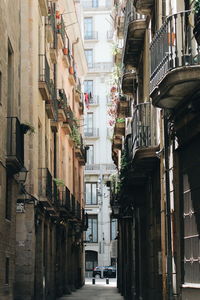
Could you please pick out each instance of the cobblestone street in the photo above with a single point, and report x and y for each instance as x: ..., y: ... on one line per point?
x: 100, y: 289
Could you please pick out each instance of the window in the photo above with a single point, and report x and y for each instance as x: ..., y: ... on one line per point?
x: 88, y: 28
x: 90, y: 154
x: 7, y: 263
x: 89, y: 57
x: 89, y: 123
x: 113, y: 229
x: 91, y: 193
x: 88, y: 86
x: 92, y: 232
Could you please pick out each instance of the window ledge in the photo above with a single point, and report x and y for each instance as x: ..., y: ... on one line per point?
x: 191, y: 285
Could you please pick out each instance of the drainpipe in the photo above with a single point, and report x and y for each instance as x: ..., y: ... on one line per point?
x: 168, y: 209
x: 74, y: 43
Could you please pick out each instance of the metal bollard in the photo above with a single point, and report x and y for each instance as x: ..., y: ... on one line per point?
x: 107, y: 281
x: 93, y: 280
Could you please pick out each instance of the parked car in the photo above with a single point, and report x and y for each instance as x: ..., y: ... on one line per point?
x: 108, y: 272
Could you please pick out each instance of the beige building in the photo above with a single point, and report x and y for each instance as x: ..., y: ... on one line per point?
x: 11, y: 156
x: 45, y: 64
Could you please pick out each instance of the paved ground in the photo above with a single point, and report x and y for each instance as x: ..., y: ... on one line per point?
x: 99, y: 291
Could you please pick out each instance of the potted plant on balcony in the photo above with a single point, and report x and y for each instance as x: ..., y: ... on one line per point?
x: 196, y: 29
x: 65, y: 51
x: 71, y: 70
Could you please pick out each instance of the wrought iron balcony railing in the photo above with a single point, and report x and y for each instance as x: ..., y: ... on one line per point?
x: 91, y: 132
x: 108, y: 167
x: 94, y: 100
x: 15, y: 143
x: 91, y: 35
x: 100, y: 67
x: 44, y: 70
x: 64, y: 200
x: 143, y: 127
x: 54, y: 101
x: 62, y: 99
x: 61, y: 29
x: 94, y: 4
x: 45, y: 184
x: 173, y: 47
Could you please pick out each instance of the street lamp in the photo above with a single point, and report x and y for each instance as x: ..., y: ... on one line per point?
x: 21, y: 175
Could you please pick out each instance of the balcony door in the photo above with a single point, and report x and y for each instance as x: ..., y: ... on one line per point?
x: 88, y: 28
x: 90, y: 124
x: 90, y: 155
x: 89, y: 57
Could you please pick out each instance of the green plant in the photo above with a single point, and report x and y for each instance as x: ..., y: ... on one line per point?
x: 120, y: 120
x: 59, y: 182
x: 75, y: 135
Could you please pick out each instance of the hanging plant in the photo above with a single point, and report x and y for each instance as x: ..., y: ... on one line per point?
x: 59, y: 182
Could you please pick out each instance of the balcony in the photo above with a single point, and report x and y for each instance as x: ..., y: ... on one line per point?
x: 120, y: 27
x: 15, y: 145
x: 128, y: 82
x: 51, y: 105
x: 44, y: 77
x: 43, y: 7
x: 61, y: 32
x: 91, y: 36
x: 134, y: 32
x: 72, y: 73
x: 45, y: 187
x: 97, y: 168
x: 123, y: 108
x: 67, y: 125
x: 62, y: 105
x: 80, y: 152
x: 175, y: 63
x: 110, y: 35
x: 144, y: 6
x: 93, y: 100
x: 97, y: 4
x: 100, y: 67
x: 143, y: 144
x: 117, y: 142
x: 64, y: 202
x: 91, y: 133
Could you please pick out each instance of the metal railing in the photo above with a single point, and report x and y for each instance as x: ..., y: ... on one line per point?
x: 91, y: 132
x: 110, y: 35
x: 54, y: 101
x: 131, y: 15
x: 61, y: 29
x: 172, y: 47
x: 96, y: 4
x: 107, y: 167
x: 45, y: 184
x: 94, y: 100
x: 15, y: 140
x: 62, y: 99
x: 143, y: 127
x: 91, y: 35
x: 51, y: 21
x: 100, y: 67
x: 44, y: 70
x: 65, y: 199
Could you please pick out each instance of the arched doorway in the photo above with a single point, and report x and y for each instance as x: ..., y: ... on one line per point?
x: 91, y: 261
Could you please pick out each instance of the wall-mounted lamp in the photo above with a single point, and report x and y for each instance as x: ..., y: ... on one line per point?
x: 21, y: 175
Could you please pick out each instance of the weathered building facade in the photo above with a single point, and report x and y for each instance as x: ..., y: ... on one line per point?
x: 11, y: 156
x: 42, y: 222
x: 158, y: 146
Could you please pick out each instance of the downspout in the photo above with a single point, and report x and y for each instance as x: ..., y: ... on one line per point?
x: 168, y: 209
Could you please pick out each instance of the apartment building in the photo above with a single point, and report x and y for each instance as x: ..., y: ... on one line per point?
x: 9, y: 113
x: 98, y: 44
x: 155, y: 194
x: 42, y: 153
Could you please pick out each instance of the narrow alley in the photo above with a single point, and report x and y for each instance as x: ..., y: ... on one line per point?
x: 91, y: 291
